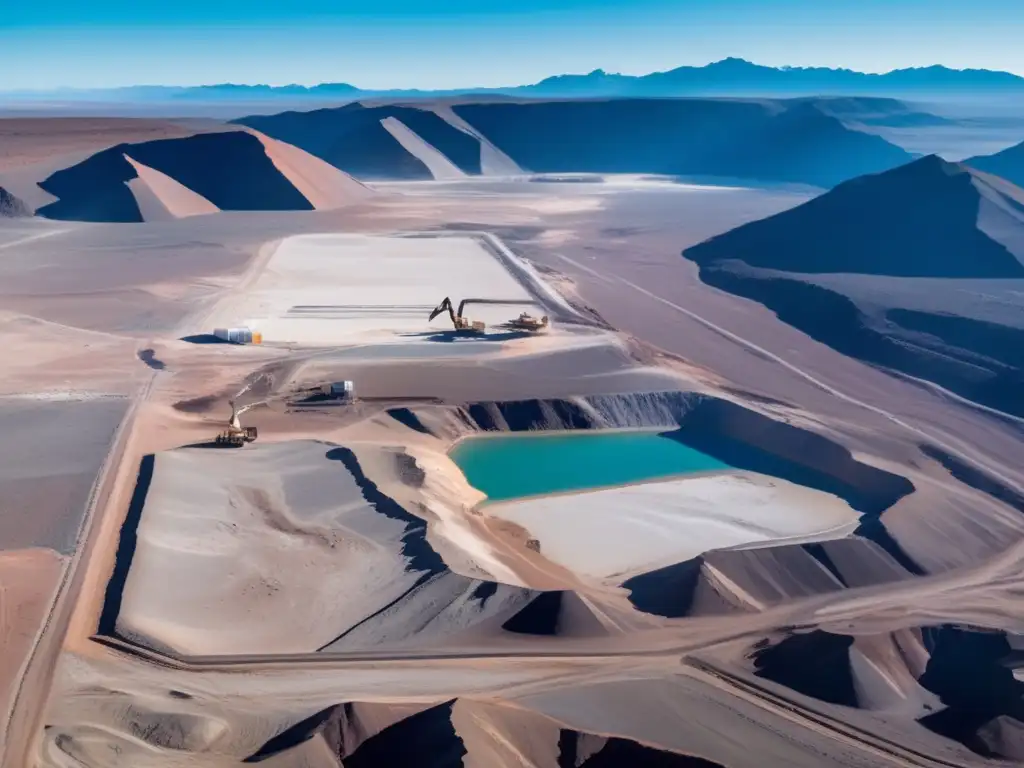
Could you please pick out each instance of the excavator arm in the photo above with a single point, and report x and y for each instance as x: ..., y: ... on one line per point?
x: 445, y: 305
x: 460, y: 322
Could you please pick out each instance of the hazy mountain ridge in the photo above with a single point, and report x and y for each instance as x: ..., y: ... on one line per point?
x: 790, y: 141
x: 731, y: 76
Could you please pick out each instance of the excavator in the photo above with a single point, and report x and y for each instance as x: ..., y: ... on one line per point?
x: 236, y: 434
x: 462, y: 324
x: 525, y: 321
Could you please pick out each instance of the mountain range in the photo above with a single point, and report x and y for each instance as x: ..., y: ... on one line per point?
x: 916, y: 270
x: 798, y: 141
x: 728, y: 77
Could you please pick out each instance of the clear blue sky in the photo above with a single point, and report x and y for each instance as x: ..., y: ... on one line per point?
x: 457, y: 43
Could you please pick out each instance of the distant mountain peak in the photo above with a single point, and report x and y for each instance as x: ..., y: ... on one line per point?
x: 934, y: 162
x: 925, y: 175
x: 1009, y: 164
x: 733, y: 61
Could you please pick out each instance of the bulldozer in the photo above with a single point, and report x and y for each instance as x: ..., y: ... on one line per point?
x: 236, y: 434
x: 527, y: 322
x: 461, y: 324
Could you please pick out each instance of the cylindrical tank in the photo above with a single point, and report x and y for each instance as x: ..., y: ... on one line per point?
x: 339, y: 389
x: 237, y: 335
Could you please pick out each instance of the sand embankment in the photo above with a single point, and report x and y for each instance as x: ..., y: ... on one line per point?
x: 440, y: 167
x: 467, y: 732
x: 237, y: 170
x: 323, y: 185
x: 493, y: 162
x: 177, y: 200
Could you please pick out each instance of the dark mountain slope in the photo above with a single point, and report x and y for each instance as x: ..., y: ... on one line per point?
x: 1008, y: 164
x: 918, y: 270
x: 919, y: 220
x: 772, y: 141
x: 352, y: 138
x: 230, y: 169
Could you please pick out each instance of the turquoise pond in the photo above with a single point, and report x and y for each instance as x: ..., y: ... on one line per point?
x: 517, y: 465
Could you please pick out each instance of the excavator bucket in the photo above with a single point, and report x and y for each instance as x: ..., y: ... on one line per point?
x: 446, y: 304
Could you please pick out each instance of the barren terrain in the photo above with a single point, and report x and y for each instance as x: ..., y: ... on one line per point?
x: 844, y: 593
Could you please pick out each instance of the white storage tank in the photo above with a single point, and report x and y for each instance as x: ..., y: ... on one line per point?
x: 238, y: 335
x: 342, y: 390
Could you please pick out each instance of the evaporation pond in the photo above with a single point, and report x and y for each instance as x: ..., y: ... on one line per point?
x: 513, y: 466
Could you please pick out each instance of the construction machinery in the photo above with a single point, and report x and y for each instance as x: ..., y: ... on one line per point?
x: 462, y: 324
x: 236, y: 434
x: 525, y: 321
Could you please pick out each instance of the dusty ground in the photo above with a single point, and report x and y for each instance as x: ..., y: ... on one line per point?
x: 606, y: 667
x: 28, y: 580
x: 28, y: 140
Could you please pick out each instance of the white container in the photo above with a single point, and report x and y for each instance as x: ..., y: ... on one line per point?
x: 234, y: 335
x: 339, y: 389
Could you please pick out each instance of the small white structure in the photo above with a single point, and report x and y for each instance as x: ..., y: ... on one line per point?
x: 239, y: 335
x: 341, y: 390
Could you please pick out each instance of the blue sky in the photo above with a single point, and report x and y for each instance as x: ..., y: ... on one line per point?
x: 459, y: 43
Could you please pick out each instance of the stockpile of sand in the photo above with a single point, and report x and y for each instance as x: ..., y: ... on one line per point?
x: 247, y: 551
x: 462, y: 733
x: 441, y: 168
x: 493, y: 162
x: 227, y: 170
x: 321, y: 183
x: 159, y: 196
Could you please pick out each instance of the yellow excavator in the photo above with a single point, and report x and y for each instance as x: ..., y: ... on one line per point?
x: 236, y: 434
x: 525, y: 321
x: 462, y: 324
